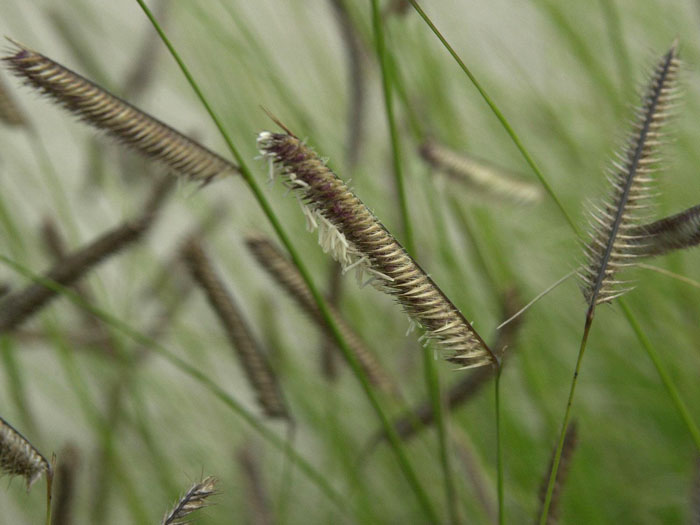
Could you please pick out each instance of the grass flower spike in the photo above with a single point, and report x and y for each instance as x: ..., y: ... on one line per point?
x: 356, y: 239
x: 131, y: 126
x: 616, y: 242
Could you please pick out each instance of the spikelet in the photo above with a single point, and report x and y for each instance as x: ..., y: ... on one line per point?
x: 19, y: 306
x: 669, y: 234
x: 615, y: 244
x: 18, y: 457
x: 286, y: 274
x: 131, y: 126
x: 480, y: 175
x: 258, y: 371
x: 194, y: 499
x: 570, y: 443
x: 357, y: 239
x: 10, y: 113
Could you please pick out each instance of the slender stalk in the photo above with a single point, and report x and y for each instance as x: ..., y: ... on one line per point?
x: 567, y: 418
x: 499, y: 115
x: 499, y: 449
x: 404, y: 464
x: 383, y: 54
x: 432, y: 380
x: 680, y: 405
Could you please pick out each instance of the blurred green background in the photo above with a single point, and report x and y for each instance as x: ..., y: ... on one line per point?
x: 563, y: 73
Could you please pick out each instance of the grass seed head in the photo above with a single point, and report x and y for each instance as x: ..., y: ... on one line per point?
x: 356, y: 239
x: 128, y: 124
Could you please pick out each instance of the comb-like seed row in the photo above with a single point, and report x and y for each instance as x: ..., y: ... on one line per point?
x: 570, y: 443
x: 258, y: 371
x: 10, y: 113
x: 194, y: 499
x: 128, y: 124
x: 17, y: 307
x: 356, y: 238
x: 18, y: 457
x: 676, y: 232
x: 615, y: 239
x: 286, y: 274
x: 478, y: 174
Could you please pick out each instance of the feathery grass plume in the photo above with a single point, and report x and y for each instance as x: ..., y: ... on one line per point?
x: 194, y: 499
x: 18, y: 457
x: 66, y: 470
x: 669, y: 234
x: 481, y: 175
x: 131, y: 126
x: 423, y: 415
x: 570, y: 443
x: 17, y: 307
x: 286, y: 274
x: 258, y: 371
x: 615, y: 240
x: 258, y: 500
x: 357, y: 239
x: 10, y: 113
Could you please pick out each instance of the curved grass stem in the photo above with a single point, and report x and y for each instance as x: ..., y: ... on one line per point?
x: 499, y: 449
x: 664, y: 375
x: 567, y: 418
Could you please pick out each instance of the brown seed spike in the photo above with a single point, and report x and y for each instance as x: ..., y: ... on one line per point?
x: 18, y: 457
x: 357, y: 239
x: 131, y: 126
x: 615, y: 241
x: 672, y: 233
x: 488, y: 179
x: 261, y: 376
x: 19, y: 306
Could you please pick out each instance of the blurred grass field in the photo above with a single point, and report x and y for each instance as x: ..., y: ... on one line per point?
x: 564, y: 75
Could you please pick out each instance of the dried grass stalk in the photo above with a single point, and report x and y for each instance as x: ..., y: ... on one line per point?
x: 18, y: 457
x: 484, y: 177
x: 194, y: 499
x: 19, y: 306
x: 131, y: 126
x: 676, y: 232
x: 258, y: 371
x: 570, y: 443
x: 615, y: 240
x: 286, y: 274
x: 357, y: 239
x: 10, y: 113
